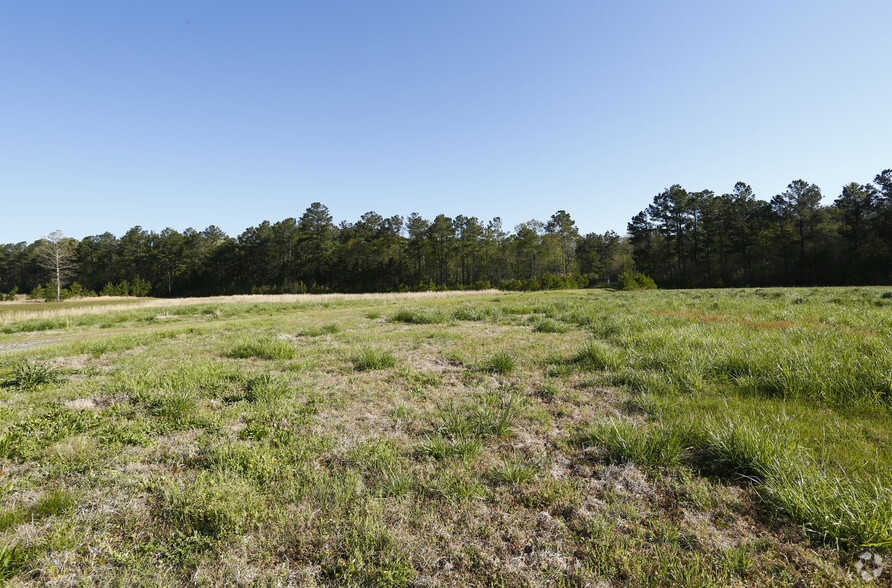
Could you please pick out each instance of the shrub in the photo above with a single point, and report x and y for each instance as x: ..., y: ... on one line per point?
x: 630, y: 280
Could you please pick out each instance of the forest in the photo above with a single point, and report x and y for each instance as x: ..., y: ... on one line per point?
x: 682, y: 239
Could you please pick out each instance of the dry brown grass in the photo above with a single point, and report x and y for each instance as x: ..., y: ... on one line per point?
x: 11, y: 316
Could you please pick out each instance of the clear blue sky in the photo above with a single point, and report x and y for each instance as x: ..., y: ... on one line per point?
x: 173, y: 113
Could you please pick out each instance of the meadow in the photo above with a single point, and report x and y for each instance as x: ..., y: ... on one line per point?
x: 572, y: 438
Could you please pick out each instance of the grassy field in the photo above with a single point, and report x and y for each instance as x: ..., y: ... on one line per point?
x: 700, y: 438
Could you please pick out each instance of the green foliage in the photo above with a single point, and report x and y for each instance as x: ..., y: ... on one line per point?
x: 12, y: 559
x: 370, y: 358
x: 630, y: 280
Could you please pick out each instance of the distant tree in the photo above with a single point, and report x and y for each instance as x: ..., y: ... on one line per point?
x: 564, y: 227
x: 56, y: 254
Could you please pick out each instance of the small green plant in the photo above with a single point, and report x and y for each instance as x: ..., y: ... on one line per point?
x: 266, y: 388
x: 370, y: 358
x: 500, y: 362
x: 547, y: 325
x: 12, y: 559
x: 373, y: 314
x: 263, y: 349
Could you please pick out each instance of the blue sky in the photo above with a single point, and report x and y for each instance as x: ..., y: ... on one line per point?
x: 115, y: 114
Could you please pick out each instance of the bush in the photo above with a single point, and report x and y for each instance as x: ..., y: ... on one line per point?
x: 630, y: 280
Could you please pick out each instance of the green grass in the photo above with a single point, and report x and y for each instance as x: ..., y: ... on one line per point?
x: 263, y: 349
x: 733, y: 437
x: 500, y: 362
x: 418, y: 316
x: 370, y: 358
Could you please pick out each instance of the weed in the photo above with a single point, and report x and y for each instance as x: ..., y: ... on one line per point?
x: 32, y: 375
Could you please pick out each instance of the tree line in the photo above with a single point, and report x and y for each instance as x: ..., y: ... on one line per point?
x: 682, y: 239
x: 700, y: 239
x: 313, y: 254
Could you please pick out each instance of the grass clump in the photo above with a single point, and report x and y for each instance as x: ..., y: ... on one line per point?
x: 218, y: 507
x: 547, y: 325
x: 623, y: 442
x: 371, y: 358
x: 418, y: 316
x: 514, y: 470
x: 373, y: 314
x: 32, y: 375
x: 326, y: 329
x: 266, y: 388
x: 500, y: 362
x: 263, y: 349
x: 470, y: 312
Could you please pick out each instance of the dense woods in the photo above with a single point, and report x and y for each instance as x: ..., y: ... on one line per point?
x: 312, y: 254
x: 699, y: 239
x: 682, y: 239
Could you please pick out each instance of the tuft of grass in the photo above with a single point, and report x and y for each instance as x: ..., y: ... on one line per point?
x: 370, y: 358
x: 263, y: 349
x: 514, y: 470
x: 54, y: 502
x: 441, y: 448
x: 326, y: 329
x: 469, y: 312
x: 623, y: 442
x: 174, y: 405
x: 597, y: 355
x: 547, y: 325
x: 373, y: 314
x: 12, y: 559
x: 266, y: 388
x: 500, y: 362
x: 418, y: 316
x: 32, y: 375
x: 213, y: 506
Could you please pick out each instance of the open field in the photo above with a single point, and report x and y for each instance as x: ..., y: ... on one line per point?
x: 727, y: 437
